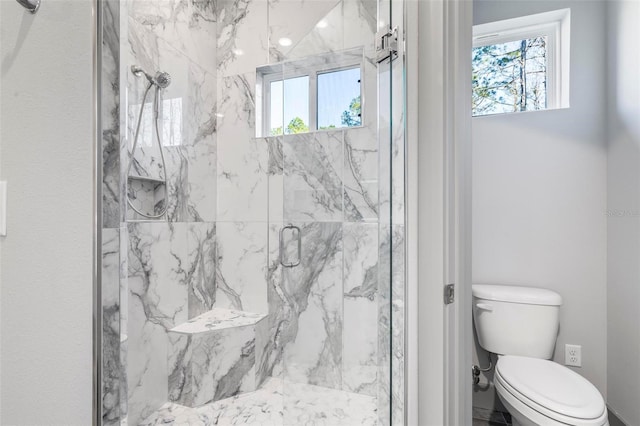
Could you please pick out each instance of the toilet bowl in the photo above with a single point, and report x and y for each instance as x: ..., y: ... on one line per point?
x: 520, y: 324
x: 541, y: 392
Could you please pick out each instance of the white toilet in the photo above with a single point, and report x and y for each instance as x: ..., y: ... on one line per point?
x: 520, y: 324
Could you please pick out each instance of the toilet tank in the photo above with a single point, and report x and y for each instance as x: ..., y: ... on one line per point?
x: 513, y: 320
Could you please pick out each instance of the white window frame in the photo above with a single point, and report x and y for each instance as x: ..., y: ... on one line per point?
x: 310, y: 67
x: 556, y: 26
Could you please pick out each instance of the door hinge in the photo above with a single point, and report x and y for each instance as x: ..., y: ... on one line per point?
x: 449, y: 294
x: 387, y: 44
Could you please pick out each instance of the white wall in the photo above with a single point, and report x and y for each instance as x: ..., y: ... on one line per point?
x: 45, y: 268
x: 623, y: 333
x: 539, y: 189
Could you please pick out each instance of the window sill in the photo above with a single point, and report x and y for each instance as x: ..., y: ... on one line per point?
x: 506, y: 114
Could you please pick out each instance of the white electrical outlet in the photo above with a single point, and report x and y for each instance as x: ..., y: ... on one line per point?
x: 573, y: 355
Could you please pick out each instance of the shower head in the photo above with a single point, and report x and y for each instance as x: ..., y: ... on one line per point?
x: 161, y: 79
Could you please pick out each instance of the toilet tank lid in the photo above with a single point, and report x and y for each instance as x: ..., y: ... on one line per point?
x: 517, y: 294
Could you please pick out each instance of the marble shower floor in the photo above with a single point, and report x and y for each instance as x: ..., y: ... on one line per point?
x: 276, y: 403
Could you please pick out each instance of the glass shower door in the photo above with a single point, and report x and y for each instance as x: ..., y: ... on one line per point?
x: 282, y: 205
x: 335, y: 247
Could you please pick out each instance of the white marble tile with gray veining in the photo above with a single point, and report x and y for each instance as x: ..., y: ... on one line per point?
x: 242, y: 36
x: 360, y: 175
x: 360, y: 345
x: 242, y: 159
x: 384, y: 324
x: 263, y: 340
x: 146, y: 363
x: 123, y: 319
x: 397, y: 324
x: 395, y: 152
x: 313, y: 176
x: 111, y: 368
x: 189, y: 119
x: 326, y: 35
x: 201, y: 245
x: 295, y: 21
x: 242, y: 266
x: 360, y: 334
x: 207, y: 367
x: 320, y: 27
x: 276, y: 179
x: 110, y: 109
x: 158, y: 264
x: 278, y: 330
x: 360, y: 24
x: 188, y: 26
x: 158, y: 267
x: 360, y: 259
x: 313, y: 335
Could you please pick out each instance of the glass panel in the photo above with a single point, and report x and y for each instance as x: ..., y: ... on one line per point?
x: 339, y: 99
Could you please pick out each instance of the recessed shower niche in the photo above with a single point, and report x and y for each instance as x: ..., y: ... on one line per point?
x: 206, y: 321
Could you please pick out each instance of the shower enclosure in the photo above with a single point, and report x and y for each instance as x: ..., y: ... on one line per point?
x: 264, y: 281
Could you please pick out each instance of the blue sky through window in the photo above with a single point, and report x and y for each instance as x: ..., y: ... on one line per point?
x: 296, y: 101
x: 336, y: 90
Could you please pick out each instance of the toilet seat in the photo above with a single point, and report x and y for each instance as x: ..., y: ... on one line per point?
x: 550, y: 390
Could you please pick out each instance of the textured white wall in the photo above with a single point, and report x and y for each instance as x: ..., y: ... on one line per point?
x: 623, y: 313
x: 539, y: 189
x: 46, y: 263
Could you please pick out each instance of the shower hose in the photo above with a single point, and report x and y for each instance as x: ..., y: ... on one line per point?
x: 135, y: 145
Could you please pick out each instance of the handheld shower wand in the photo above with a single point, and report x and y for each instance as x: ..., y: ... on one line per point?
x: 160, y: 80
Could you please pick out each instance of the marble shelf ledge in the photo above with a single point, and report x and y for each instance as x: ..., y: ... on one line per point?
x: 147, y: 179
x: 218, y: 319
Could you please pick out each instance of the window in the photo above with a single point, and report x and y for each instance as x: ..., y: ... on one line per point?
x: 521, y: 64
x: 319, y: 93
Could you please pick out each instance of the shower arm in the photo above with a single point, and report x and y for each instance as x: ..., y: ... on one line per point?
x: 31, y: 5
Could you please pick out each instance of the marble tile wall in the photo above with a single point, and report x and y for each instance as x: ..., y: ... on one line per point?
x: 361, y: 295
x: 113, y: 264
x: 111, y: 325
x: 241, y: 266
x: 124, y: 317
x: 112, y: 211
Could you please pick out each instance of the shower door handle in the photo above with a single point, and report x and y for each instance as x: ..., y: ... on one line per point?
x: 298, y: 234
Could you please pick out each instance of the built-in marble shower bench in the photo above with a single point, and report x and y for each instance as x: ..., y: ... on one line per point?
x: 213, y: 356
